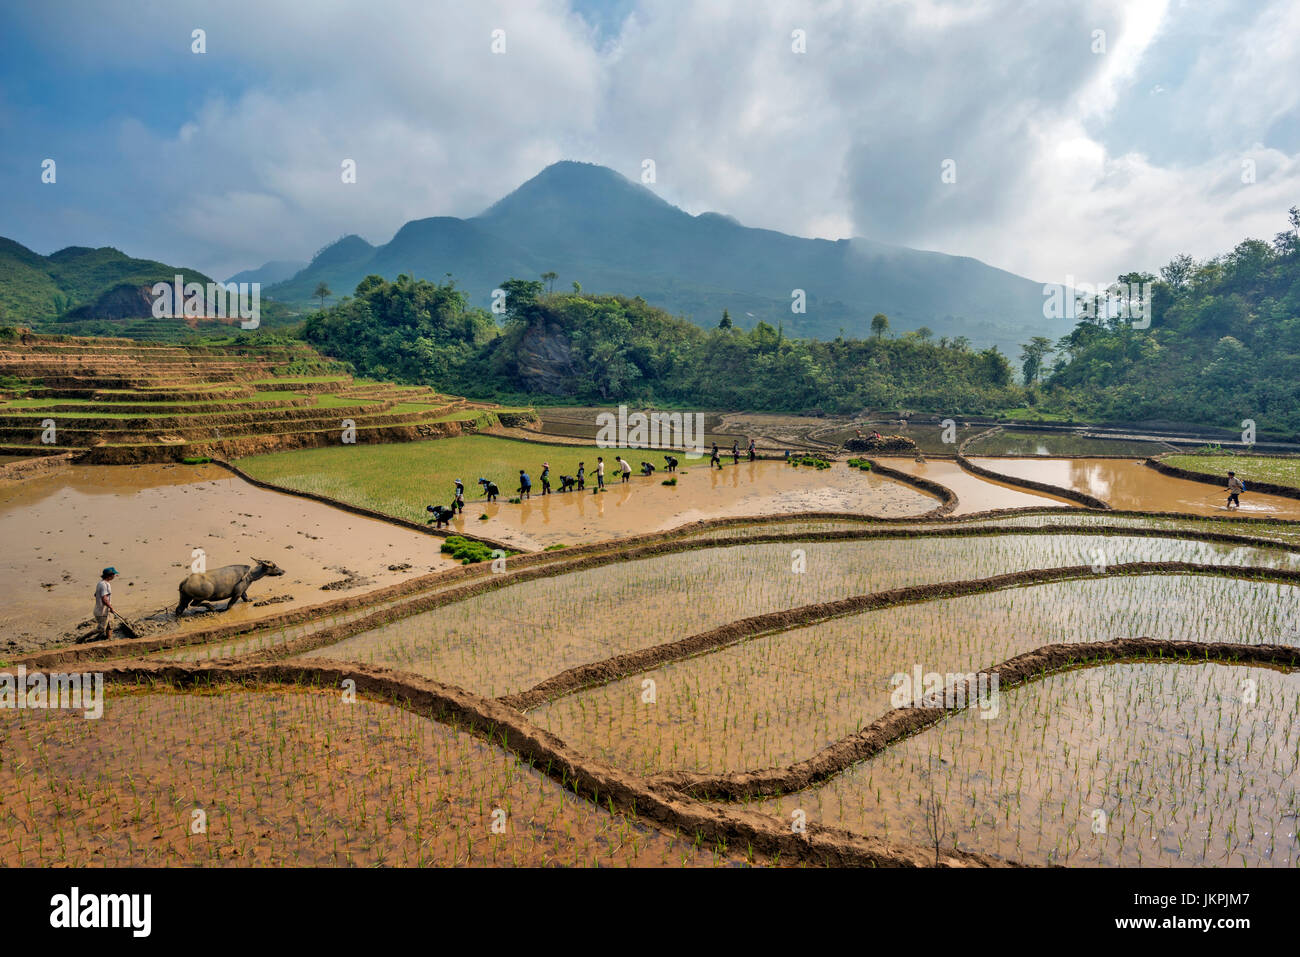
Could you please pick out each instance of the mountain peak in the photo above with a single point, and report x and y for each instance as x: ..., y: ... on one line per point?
x: 344, y: 249
x: 570, y: 183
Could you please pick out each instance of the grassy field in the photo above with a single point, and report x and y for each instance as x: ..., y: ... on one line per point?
x: 399, y: 479
x: 1251, y: 468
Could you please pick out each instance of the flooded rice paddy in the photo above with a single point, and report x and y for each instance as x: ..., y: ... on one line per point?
x: 1118, y: 765
x: 297, y: 778
x: 509, y: 639
x: 1125, y: 484
x: 974, y: 494
x: 61, y: 529
x: 781, y: 697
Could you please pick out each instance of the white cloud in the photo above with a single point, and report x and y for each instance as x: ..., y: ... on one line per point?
x: 844, y: 139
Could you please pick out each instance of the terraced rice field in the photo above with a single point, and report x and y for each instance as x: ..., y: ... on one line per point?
x: 1126, y: 765
x: 119, y: 401
x: 683, y: 687
x: 974, y: 494
x: 507, y: 640
x: 294, y: 777
x: 779, y: 698
x: 1126, y: 484
x: 1007, y: 442
x: 401, y: 479
x: 1279, y: 470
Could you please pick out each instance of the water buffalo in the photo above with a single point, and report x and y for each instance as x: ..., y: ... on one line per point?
x: 227, y: 583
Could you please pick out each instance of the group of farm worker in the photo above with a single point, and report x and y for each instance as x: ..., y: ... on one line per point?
x: 578, y: 482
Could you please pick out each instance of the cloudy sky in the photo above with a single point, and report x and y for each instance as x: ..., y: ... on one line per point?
x: 1088, y: 137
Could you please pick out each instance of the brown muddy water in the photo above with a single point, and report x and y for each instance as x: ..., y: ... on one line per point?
x: 60, y: 530
x: 1183, y: 765
x: 974, y: 494
x: 646, y: 505
x: 1128, y: 484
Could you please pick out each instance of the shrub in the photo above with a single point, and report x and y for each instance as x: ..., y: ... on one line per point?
x: 196, y: 460
x: 669, y: 481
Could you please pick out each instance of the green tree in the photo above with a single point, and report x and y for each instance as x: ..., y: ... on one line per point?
x: 879, y: 325
x: 1032, y: 354
x: 520, y: 294
x: 549, y: 278
x: 725, y: 323
x: 322, y: 290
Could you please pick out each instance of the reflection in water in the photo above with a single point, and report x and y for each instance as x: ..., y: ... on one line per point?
x: 1126, y: 484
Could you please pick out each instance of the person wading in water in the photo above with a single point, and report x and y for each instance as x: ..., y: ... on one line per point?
x: 104, y: 602
x: 1235, y: 487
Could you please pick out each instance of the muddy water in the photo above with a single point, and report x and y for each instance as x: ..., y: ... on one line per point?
x: 295, y: 776
x: 646, y: 505
x: 1184, y: 770
x: 60, y: 530
x: 1061, y: 443
x: 1126, y: 484
x: 780, y: 698
x: 974, y: 494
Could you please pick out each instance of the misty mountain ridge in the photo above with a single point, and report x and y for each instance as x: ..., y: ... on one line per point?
x: 592, y: 225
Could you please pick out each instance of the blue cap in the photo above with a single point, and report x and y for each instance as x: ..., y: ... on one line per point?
x: 109, y: 571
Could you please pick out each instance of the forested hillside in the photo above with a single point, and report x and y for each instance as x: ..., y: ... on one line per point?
x: 610, y: 348
x: 1223, y: 345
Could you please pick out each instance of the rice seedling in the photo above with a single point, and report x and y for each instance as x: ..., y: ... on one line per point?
x: 1119, y: 765
x: 507, y: 640
x: 781, y: 697
x: 287, y: 776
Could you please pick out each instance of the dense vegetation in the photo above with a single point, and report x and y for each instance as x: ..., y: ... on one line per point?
x: 36, y: 288
x: 613, y: 349
x: 1223, y: 345
x: 410, y: 330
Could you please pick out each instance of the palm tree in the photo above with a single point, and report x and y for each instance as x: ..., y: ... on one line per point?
x: 549, y: 278
x: 322, y: 290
